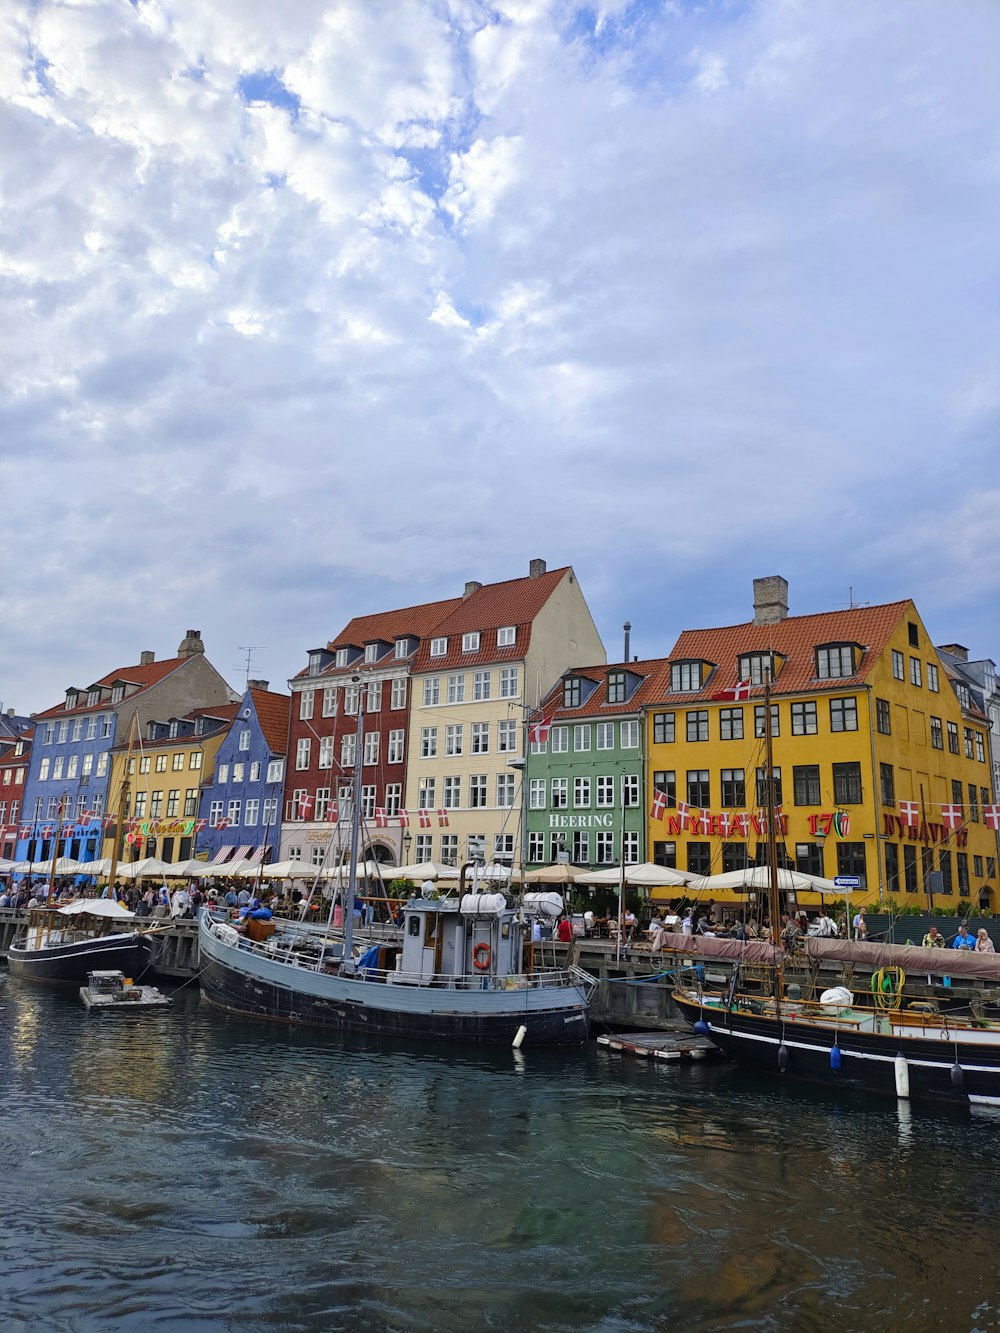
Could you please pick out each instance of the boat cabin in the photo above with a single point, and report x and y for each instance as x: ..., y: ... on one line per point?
x: 477, y: 935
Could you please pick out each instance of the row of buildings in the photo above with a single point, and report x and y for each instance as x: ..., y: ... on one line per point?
x: 492, y: 728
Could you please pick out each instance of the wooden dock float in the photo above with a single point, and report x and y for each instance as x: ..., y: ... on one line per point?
x: 660, y: 1045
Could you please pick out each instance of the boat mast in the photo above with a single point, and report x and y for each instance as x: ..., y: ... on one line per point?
x: 347, y: 963
x: 772, y: 836
x: 123, y: 796
x: 55, y: 846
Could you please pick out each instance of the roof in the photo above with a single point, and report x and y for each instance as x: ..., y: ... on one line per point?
x: 272, y: 714
x: 656, y: 679
x: 223, y: 714
x: 143, y: 675
x: 385, y: 627
x: 795, y: 638
x: 493, y: 606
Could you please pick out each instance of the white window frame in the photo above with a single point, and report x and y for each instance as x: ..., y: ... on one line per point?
x: 506, y: 636
x: 470, y: 641
x: 439, y: 647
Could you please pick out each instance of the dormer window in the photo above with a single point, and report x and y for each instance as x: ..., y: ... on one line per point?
x: 315, y: 663
x: 71, y: 698
x: 173, y: 729
x: 617, y: 687
x: 836, y: 661
x: 470, y: 642
x: 403, y: 648
x: 199, y: 726
x: 964, y: 697
x: 757, y: 668
x: 507, y: 636
x: 117, y: 694
x: 572, y: 691
x: 371, y: 652
x: 150, y: 731
x: 94, y: 697
x: 439, y: 647
x: 686, y: 677
x: 341, y: 658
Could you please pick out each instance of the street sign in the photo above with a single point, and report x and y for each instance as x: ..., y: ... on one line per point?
x: 847, y: 881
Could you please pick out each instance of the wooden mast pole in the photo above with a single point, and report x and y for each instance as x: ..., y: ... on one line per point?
x: 772, y: 839
x: 55, y: 847
x: 123, y: 795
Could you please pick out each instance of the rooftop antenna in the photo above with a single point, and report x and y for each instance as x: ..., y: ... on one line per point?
x: 249, y: 649
x: 852, y: 603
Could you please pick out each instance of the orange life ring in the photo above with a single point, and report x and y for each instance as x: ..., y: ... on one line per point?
x: 481, y: 956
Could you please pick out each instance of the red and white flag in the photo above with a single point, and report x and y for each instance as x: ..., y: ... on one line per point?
x: 333, y: 812
x: 741, y: 690
x: 200, y: 825
x: 909, y: 813
x: 659, y: 805
x: 221, y: 824
x: 951, y: 816
x: 705, y: 822
x: 404, y: 818
x: 741, y: 822
x: 684, y: 814
x: 991, y: 816
x: 306, y: 804
x: 538, y: 732
x: 425, y: 818
x: 381, y: 818
x: 442, y: 818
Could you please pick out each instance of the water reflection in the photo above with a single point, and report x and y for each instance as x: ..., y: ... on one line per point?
x: 200, y: 1173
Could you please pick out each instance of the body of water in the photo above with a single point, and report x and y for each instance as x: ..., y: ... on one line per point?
x: 182, y: 1171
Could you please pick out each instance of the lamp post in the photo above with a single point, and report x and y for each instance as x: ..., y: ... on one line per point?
x: 406, y: 840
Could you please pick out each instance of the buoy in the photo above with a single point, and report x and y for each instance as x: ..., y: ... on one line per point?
x: 902, y: 1070
x: 519, y: 1036
x: 957, y: 1076
x: 701, y: 1027
x: 782, y: 1058
x: 834, y: 1057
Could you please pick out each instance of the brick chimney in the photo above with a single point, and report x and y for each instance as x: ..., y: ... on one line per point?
x: 770, y: 600
x: 956, y: 649
x: 471, y: 587
x: 147, y: 658
x: 257, y: 684
x: 191, y: 645
x: 536, y: 569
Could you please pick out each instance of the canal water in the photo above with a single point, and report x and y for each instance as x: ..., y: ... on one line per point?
x: 186, y: 1172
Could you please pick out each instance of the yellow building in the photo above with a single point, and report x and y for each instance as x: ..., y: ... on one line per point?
x: 880, y: 763
x: 475, y: 680
x: 165, y: 768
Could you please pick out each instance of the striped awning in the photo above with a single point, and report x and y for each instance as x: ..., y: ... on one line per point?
x: 221, y: 855
x: 256, y: 856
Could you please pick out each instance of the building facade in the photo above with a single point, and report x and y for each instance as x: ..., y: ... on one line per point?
x: 15, y: 755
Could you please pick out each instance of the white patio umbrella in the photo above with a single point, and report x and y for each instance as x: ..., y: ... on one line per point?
x: 423, y: 870
x: 557, y: 874
x: 289, y: 870
x: 189, y: 869
x: 643, y: 875
x: 96, y: 868
x: 492, y: 870
x: 150, y: 865
x: 759, y: 877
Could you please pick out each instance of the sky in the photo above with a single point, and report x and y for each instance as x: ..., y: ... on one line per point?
x: 318, y: 309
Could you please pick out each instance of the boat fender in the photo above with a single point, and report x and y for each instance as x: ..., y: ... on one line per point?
x: 699, y: 972
x: 902, y: 1071
x: 519, y: 1037
x: 835, y: 1057
x: 957, y: 1076
x: 782, y: 1058
x: 481, y: 956
x: 701, y: 1027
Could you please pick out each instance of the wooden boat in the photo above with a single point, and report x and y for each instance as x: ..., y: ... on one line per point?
x: 62, y: 945
x: 111, y: 992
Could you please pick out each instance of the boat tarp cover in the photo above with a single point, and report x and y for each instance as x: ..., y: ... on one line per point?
x: 910, y: 957
x: 709, y: 946
x: 96, y: 907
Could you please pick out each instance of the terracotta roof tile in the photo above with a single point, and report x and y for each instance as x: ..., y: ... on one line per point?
x: 142, y: 675
x: 386, y: 626
x: 272, y: 714
x: 656, y: 678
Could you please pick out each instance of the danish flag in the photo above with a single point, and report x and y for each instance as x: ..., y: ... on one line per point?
x: 200, y: 825
x: 705, y: 822
x: 333, y: 812
x: 381, y: 819
x: 741, y: 690
x: 951, y: 816
x: 442, y: 819
x: 991, y: 816
x: 306, y: 804
x: 538, y: 732
x: 659, y: 805
x: 221, y: 824
x: 425, y: 818
x: 909, y: 814
x: 684, y: 814
x: 404, y: 818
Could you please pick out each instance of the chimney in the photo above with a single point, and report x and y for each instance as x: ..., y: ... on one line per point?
x: 956, y: 649
x: 628, y: 636
x: 147, y: 658
x: 770, y: 600
x: 257, y: 684
x: 10, y: 712
x: 471, y: 587
x: 191, y: 645
x: 536, y: 569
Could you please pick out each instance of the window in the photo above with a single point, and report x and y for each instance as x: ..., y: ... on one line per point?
x: 453, y: 737
x: 173, y: 802
x: 834, y: 661
x: 306, y: 704
x: 275, y: 769
x: 324, y: 758
x: 581, y: 793
x: 374, y: 703
x: 898, y: 665
x: 161, y: 763
x: 352, y: 698
x: 734, y: 788
x: 507, y: 735
x: 506, y: 636
x: 932, y: 678
x: 439, y: 647
x: 397, y: 698
x: 758, y: 720
x: 805, y: 784
x: 962, y: 865
x: 973, y: 803
x: 78, y: 729
x: 102, y: 763
x: 505, y: 790
x: 757, y: 668
x: 883, y: 720
x: 944, y: 866
x: 449, y: 849
x: 432, y: 690
x: 536, y: 794
x: 630, y: 790
x: 980, y: 747
x: 214, y: 812
x: 851, y: 860
x: 605, y: 791
x: 731, y: 724
x: 88, y: 765
x: 581, y: 737
x: 887, y: 784
x: 63, y: 732
x: 605, y: 735
x: 477, y: 791
x: 630, y: 734
x: 844, y: 714
x: 663, y: 728
x: 698, y: 788
x: 808, y: 858
x: 348, y: 749
x: 666, y: 782
x: 804, y: 719
x: 470, y: 641
x: 776, y: 793
x: 177, y: 762
x: 330, y: 701
x: 616, y: 687
x: 968, y: 734
x: 481, y: 684
x: 536, y: 847
x: 394, y: 754
x: 571, y: 692
x: 559, y: 740
x: 393, y: 797
x: 456, y: 689
x: 685, y: 677
x: 156, y: 805
x: 581, y: 848
x: 251, y: 813
x: 191, y: 801
x: 244, y: 738
x: 371, y: 652
x: 372, y: 747
x: 303, y: 748
x: 630, y: 848
x: 952, y: 738
x: 604, y: 849
x: 559, y: 788
x: 428, y: 742
x: 480, y: 738
x: 426, y: 793
x: 697, y: 725
x: 91, y: 728
x: 508, y: 682
x: 847, y: 784
x: 734, y: 857
x: 57, y: 767
x: 238, y: 771
x: 915, y: 671
x: 699, y: 858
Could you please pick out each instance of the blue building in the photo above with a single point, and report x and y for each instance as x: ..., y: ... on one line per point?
x: 241, y: 803
x: 66, y: 789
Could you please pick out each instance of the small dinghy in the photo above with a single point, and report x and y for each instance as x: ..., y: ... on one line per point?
x: 113, y: 992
